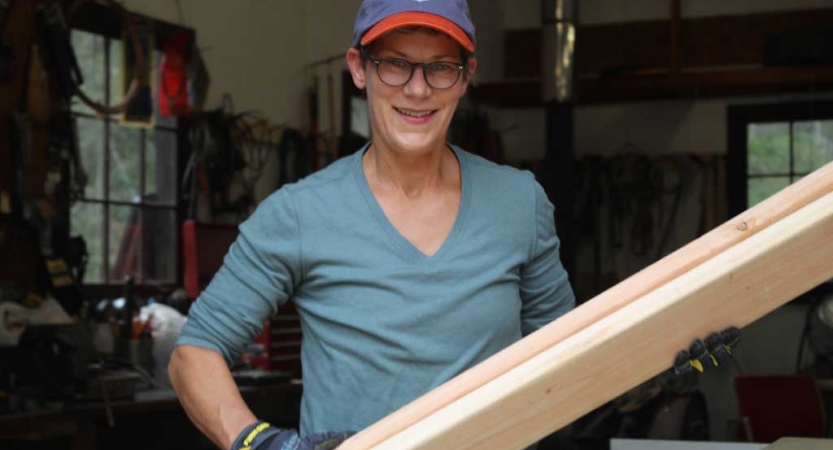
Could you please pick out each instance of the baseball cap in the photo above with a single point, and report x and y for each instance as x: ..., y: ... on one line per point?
x: 377, y: 17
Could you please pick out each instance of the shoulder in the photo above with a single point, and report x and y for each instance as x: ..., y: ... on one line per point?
x: 324, y: 178
x: 490, y: 177
x: 316, y: 185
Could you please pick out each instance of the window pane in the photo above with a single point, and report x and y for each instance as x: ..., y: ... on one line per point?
x: 759, y: 189
x: 91, y: 150
x: 813, y: 145
x: 160, y: 245
x: 125, y: 163
x: 125, y: 243
x: 87, y: 220
x: 116, y: 64
x: 89, y: 51
x: 142, y: 244
x: 768, y: 148
x: 160, y: 167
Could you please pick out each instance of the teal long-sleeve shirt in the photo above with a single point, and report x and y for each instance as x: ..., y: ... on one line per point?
x: 382, y: 322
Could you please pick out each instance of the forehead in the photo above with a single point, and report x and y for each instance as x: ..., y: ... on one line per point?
x: 420, y: 42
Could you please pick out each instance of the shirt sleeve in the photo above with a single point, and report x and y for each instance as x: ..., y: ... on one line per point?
x: 259, y: 273
x: 545, y: 288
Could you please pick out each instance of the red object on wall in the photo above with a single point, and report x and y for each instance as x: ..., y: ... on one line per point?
x: 173, y: 85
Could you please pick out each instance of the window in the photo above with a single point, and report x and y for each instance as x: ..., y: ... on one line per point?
x: 772, y: 146
x: 127, y: 212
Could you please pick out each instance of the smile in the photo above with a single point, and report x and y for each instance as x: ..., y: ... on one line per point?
x: 413, y: 113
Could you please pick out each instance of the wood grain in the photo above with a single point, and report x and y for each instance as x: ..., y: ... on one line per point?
x: 721, y: 238
x: 637, y: 342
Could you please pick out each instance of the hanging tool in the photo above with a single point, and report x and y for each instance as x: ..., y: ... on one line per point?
x: 139, y: 63
x: 683, y: 172
x: 54, y: 40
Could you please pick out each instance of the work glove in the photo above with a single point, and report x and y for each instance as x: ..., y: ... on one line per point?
x: 262, y: 436
x: 715, y: 350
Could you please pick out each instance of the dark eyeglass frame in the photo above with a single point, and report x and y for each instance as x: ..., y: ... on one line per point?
x: 413, y: 65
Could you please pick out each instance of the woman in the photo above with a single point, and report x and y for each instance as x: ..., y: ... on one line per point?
x: 409, y: 261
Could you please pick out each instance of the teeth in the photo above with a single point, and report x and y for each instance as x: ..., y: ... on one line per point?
x: 413, y: 113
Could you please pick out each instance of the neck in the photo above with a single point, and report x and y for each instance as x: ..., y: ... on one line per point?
x: 412, y: 175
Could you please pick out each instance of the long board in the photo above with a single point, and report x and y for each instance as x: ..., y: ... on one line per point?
x: 733, y: 232
x: 638, y: 341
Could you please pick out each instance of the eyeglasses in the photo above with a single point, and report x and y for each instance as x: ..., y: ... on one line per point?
x: 398, y: 72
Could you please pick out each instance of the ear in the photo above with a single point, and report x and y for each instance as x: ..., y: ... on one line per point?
x: 472, y: 69
x: 356, y: 66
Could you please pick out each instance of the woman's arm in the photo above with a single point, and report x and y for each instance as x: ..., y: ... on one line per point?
x: 208, y: 393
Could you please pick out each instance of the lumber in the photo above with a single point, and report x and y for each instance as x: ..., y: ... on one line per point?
x: 731, y: 233
x: 638, y: 341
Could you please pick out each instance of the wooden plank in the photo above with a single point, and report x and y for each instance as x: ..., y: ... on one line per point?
x: 628, y: 347
x: 721, y: 238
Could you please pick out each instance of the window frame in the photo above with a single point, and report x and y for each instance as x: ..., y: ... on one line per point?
x: 104, y: 21
x: 738, y: 119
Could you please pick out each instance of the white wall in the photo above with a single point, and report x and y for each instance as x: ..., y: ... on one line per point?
x: 691, y: 126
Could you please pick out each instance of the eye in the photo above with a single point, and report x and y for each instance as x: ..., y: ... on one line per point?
x: 398, y: 63
x: 442, y: 67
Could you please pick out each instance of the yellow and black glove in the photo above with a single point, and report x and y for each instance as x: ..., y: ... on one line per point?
x: 263, y: 436
x: 715, y: 350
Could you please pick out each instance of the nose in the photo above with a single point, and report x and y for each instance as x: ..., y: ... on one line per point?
x: 417, y: 86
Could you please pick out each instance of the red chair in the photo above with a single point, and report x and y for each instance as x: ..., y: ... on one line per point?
x: 776, y: 406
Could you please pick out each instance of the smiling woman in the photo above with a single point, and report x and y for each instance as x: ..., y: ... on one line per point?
x: 409, y: 261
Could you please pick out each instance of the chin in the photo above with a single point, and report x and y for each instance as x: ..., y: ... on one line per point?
x: 418, y: 144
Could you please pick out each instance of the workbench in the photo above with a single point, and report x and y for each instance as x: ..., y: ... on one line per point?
x: 153, y: 419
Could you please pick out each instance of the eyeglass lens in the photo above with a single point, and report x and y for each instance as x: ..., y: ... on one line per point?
x: 439, y: 75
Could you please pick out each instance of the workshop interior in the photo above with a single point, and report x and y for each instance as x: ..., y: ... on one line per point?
x: 136, y: 135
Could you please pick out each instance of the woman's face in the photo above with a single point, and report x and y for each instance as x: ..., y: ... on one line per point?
x: 414, y: 118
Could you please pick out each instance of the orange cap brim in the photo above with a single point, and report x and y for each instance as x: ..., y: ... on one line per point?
x: 412, y: 18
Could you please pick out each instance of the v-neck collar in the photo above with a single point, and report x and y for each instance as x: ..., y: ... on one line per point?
x: 403, y: 245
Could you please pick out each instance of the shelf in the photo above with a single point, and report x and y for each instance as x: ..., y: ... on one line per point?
x: 710, y: 84
x: 660, y: 85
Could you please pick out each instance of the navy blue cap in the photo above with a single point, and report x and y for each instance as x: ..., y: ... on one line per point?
x: 377, y: 17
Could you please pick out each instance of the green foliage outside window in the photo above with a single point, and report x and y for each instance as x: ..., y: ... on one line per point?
x: 779, y: 154
x: 116, y: 176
